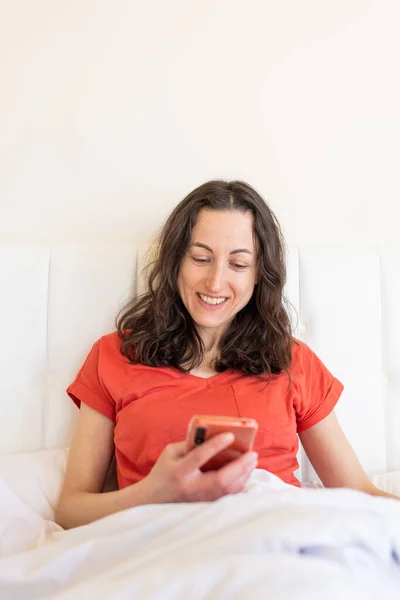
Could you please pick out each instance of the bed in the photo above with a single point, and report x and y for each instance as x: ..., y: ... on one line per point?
x: 271, y: 541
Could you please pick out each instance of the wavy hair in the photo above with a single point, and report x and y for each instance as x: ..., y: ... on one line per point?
x: 156, y: 329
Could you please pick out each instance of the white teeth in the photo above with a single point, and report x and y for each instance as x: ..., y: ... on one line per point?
x: 212, y: 300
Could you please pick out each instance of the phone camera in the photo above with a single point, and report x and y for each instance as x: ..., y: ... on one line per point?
x: 199, y: 437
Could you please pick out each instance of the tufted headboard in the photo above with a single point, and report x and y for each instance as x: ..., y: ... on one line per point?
x: 56, y: 301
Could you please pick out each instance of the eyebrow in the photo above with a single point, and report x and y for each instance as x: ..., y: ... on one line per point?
x: 238, y: 251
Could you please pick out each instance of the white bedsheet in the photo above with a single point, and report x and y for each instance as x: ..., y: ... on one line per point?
x: 274, y: 541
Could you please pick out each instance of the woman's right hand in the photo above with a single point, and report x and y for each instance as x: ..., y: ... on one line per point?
x: 176, y: 476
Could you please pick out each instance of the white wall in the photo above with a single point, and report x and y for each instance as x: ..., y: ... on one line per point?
x: 111, y: 111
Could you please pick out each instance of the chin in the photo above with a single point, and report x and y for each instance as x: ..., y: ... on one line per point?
x: 209, y: 323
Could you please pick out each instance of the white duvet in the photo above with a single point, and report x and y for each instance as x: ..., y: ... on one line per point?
x: 271, y: 542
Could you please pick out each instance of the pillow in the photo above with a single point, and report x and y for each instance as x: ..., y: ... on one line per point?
x: 35, y: 477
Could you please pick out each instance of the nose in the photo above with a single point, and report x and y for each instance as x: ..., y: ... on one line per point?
x: 215, y: 278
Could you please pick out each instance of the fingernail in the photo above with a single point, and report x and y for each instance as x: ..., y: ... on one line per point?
x: 227, y: 437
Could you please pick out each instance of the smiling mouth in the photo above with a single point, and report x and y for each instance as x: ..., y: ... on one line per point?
x: 212, y: 301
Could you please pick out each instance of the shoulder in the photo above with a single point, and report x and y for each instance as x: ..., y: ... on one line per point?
x: 309, y: 371
x: 110, y: 341
x: 300, y: 351
x: 108, y: 347
x: 303, y: 357
x: 108, y: 360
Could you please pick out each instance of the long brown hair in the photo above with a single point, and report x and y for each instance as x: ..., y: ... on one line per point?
x: 157, y: 330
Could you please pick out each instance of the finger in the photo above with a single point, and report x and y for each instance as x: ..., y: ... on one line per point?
x: 198, y: 457
x: 176, y: 450
x: 232, y: 480
x: 230, y: 477
x: 239, y: 483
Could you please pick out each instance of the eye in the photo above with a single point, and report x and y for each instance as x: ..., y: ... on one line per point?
x: 200, y: 261
x: 239, y: 267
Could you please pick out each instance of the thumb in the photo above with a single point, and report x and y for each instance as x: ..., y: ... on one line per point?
x: 200, y: 455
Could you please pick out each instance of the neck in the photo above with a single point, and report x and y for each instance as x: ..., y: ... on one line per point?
x: 210, y: 339
x: 210, y: 355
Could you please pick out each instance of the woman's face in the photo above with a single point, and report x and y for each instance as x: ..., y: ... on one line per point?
x: 217, y: 275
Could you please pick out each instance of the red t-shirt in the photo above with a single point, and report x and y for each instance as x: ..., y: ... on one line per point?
x: 151, y: 407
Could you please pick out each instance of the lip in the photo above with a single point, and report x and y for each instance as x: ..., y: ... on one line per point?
x: 211, y: 306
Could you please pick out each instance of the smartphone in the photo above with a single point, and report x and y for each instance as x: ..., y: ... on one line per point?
x: 203, y: 427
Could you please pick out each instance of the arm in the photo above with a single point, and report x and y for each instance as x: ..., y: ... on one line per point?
x: 176, y: 476
x: 81, y: 500
x: 333, y: 458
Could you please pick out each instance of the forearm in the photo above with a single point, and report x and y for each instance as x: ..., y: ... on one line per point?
x: 81, y: 508
x: 374, y: 491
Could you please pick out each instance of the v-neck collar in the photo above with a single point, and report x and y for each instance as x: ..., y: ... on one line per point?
x: 210, y: 379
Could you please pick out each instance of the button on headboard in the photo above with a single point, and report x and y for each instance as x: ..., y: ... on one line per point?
x: 56, y: 301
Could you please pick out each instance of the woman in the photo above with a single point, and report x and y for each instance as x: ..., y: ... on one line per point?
x: 210, y: 336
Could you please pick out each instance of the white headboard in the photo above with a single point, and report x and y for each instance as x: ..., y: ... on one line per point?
x: 56, y: 301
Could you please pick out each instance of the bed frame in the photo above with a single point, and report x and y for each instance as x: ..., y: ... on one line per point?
x: 56, y: 301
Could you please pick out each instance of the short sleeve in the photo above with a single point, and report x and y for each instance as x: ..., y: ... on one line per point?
x: 89, y: 388
x: 319, y: 390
